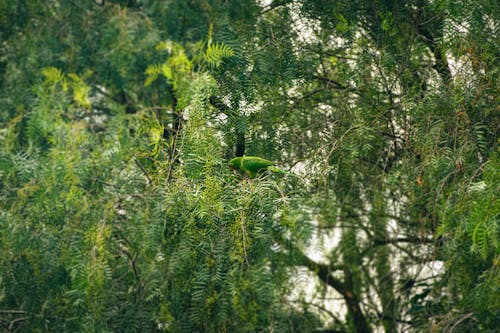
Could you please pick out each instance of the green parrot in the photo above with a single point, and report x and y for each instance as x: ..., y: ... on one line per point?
x: 250, y: 166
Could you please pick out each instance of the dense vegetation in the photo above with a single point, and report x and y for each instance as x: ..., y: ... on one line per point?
x: 118, y: 212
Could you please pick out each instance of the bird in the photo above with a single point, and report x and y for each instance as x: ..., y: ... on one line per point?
x: 251, y: 166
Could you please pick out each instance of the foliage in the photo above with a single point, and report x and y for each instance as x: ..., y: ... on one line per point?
x: 118, y: 211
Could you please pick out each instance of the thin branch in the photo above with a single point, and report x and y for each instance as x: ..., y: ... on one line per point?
x: 461, y: 319
x: 307, y: 95
x: 331, y: 82
x: 155, y: 108
x: 274, y: 5
x: 399, y: 320
x: 11, y: 326
x: 174, y: 157
x: 386, y: 241
x: 322, y: 308
x: 143, y: 170
x: 13, y: 311
x: 244, y: 241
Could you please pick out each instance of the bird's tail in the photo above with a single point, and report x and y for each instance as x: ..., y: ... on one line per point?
x: 280, y: 171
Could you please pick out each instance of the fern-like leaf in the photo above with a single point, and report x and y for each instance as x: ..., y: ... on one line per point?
x: 216, y: 53
x: 52, y: 75
x: 152, y: 73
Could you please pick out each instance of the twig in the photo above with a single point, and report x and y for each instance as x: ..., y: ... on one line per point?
x: 174, y: 156
x: 143, y: 170
x: 464, y: 317
x: 274, y: 5
x: 12, y: 311
x: 15, y: 321
x: 242, y: 220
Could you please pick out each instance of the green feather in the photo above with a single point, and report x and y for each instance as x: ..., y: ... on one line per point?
x: 250, y: 166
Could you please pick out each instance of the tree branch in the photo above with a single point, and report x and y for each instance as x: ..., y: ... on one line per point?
x: 143, y: 170
x: 380, y: 241
x: 275, y: 4
x: 331, y: 82
x: 345, y: 288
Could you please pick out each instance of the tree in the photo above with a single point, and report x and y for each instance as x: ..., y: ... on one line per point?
x: 118, y: 211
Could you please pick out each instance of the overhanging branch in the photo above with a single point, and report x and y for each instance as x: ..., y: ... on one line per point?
x: 345, y: 288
